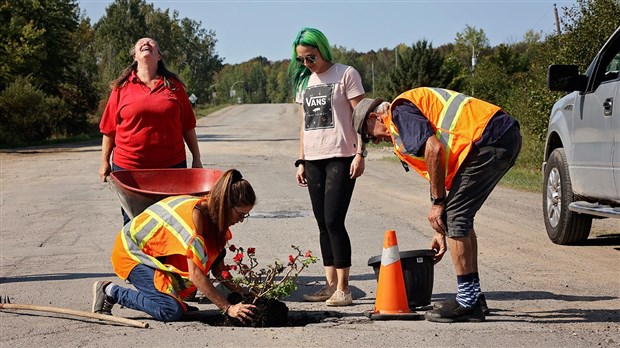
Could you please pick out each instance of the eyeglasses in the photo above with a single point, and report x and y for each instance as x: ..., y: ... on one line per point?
x: 309, y: 59
x: 371, y: 138
x: 242, y: 216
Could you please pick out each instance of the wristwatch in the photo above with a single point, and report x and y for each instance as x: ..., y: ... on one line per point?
x: 437, y: 201
x: 364, y: 153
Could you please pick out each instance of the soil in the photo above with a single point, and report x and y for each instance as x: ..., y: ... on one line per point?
x: 268, y: 313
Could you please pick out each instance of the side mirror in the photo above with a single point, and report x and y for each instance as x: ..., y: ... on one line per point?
x: 566, y: 78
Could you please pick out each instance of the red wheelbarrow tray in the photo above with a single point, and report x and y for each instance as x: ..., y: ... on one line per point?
x: 137, y: 189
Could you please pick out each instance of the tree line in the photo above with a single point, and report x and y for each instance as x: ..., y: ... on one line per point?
x: 55, y: 66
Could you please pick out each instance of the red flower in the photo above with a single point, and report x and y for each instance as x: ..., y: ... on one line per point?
x: 226, y: 275
x: 251, y: 251
x: 308, y: 254
x: 233, y: 267
x: 232, y: 248
x: 238, y: 258
x: 291, y: 259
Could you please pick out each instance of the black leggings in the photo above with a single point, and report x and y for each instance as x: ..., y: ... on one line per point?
x: 331, y: 187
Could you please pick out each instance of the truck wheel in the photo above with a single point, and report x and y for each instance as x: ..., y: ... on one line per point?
x: 563, y: 226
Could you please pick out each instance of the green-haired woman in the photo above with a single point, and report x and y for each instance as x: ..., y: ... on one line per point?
x: 331, y: 154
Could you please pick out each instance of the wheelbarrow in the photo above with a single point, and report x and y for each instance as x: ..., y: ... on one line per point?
x: 137, y: 189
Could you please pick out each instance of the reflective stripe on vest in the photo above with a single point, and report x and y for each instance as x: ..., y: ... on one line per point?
x: 453, y: 104
x: 445, y: 109
x: 162, y: 213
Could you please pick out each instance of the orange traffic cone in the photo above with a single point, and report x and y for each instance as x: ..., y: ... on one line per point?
x: 391, y: 302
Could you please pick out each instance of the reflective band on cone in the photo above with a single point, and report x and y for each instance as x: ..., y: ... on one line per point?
x: 391, y: 302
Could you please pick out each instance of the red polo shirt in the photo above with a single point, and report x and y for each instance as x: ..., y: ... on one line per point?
x: 147, y: 126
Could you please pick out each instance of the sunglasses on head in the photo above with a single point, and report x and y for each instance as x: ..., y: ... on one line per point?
x: 309, y: 59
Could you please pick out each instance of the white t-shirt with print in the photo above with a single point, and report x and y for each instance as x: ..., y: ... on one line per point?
x: 328, y: 116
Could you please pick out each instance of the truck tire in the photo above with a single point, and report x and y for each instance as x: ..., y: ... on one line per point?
x: 563, y: 226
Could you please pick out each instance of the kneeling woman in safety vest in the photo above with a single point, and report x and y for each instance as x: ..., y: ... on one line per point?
x: 167, y: 251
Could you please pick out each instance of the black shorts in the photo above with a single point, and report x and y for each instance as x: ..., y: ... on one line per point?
x: 477, y: 177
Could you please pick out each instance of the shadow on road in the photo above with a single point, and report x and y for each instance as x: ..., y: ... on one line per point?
x: 53, y: 277
x: 82, y: 146
x: 604, y: 240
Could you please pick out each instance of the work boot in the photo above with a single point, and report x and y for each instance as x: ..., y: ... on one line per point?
x: 102, y: 303
x: 452, y: 312
x: 481, y: 298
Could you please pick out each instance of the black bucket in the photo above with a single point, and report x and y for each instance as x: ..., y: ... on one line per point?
x: 417, y: 272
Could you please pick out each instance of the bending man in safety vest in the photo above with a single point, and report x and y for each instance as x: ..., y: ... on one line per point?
x: 463, y: 146
x: 167, y: 251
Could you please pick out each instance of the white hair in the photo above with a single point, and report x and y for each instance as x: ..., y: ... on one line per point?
x: 382, y: 108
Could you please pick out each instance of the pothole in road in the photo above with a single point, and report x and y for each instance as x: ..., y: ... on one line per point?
x: 281, y: 214
x: 295, y: 318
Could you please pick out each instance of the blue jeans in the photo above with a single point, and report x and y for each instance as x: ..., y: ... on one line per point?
x: 147, y: 298
x: 126, y: 218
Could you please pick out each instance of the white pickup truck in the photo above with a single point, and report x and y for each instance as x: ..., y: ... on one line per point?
x: 582, y: 154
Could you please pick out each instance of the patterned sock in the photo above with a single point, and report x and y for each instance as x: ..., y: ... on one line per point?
x: 477, y: 284
x: 466, y: 295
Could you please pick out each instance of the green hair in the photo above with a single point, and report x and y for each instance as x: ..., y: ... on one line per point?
x: 298, y: 72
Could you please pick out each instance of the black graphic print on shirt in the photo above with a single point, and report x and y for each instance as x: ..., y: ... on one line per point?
x: 318, y: 107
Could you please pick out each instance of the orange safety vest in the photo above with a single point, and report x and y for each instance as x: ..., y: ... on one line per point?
x: 164, y: 237
x: 458, y: 121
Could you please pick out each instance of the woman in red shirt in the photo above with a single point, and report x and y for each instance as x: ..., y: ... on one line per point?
x: 148, y: 117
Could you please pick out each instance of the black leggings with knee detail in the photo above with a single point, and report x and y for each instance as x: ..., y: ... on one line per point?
x: 331, y: 187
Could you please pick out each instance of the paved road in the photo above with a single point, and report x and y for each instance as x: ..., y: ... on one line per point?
x: 58, y: 224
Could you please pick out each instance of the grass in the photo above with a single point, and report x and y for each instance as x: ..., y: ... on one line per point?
x: 93, y: 130
x: 203, y: 110
x: 518, y: 177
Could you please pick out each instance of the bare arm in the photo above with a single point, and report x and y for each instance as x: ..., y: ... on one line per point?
x: 358, y: 165
x: 240, y: 311
x: 435, y: 163
x: 192, y: 144
x: 300, y: 175
x: 107, y: 144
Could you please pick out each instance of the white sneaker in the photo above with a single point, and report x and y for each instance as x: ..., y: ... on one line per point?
x: 322, y: 295
x: 340, y: 298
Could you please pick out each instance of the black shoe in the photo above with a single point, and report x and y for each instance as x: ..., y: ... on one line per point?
x: 483, y: 304
x: 452, y: 312
x: 481, y: 298
x: 191, y: 308
x: 102, y: 303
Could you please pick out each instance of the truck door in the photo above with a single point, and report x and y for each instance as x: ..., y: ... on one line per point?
x: 596, y: 131
x: 616, y: 125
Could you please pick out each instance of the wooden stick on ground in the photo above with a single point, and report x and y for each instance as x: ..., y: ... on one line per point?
x: 121, y: 320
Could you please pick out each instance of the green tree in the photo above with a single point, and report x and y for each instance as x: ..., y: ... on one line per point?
x: 469, y: 44
x: 122, y: 25
x: 278, y: 83
x: 42, y: 41
x: 586, y: 26
x: 419, y: 65
x: 187, y: 49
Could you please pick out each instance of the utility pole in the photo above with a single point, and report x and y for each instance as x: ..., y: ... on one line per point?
x: 557, y: 19
x: 396, y: 56
x: 373, y: 76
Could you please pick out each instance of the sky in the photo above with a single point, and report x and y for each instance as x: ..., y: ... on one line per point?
x: 245, y: 29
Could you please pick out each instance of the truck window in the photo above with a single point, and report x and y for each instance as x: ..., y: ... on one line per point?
x: 609, y: 63
x: 613, y: 68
